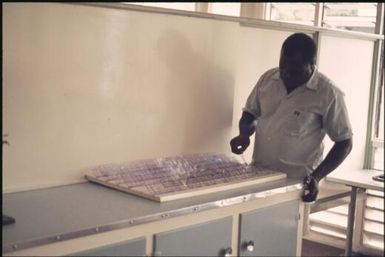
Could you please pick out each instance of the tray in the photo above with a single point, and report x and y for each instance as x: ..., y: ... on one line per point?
x: 171, y: 178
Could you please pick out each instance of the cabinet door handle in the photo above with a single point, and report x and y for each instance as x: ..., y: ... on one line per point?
x: 250, y: 246
x: 228, y: 252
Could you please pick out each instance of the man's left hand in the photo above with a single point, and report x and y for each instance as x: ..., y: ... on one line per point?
x: 310, y: 189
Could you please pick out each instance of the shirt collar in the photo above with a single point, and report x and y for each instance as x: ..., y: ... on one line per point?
x: 312, y: 83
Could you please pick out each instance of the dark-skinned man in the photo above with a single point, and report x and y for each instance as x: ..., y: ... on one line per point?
x: 291, y: 109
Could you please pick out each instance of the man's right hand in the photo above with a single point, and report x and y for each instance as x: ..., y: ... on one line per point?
x: 239, y: 144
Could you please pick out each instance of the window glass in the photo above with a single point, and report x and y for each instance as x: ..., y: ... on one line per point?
x: 350, y: 16
x: 187, y: 6
x: 300, y: 13
x: 231, y: 9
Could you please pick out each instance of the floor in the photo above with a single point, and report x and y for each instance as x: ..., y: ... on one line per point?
x: 312, y: 249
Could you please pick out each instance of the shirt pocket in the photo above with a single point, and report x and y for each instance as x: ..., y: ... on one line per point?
x: 299, y: 123
x: 297, y: 144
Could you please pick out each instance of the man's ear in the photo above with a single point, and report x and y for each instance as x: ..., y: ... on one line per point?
x: 312, y: 66
x: 314, y: 61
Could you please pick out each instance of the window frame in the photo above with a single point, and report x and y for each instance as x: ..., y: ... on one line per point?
x: 362, y: 19
x: 377, y: 141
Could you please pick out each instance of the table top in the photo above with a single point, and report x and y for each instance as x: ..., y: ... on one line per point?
x: 76, y: 210
x: 358, y: 178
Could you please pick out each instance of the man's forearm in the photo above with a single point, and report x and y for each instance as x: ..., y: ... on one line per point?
x: 246, y: 124
x: 334, y: 158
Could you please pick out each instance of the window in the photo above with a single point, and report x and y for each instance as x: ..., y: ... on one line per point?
x: 300, y: 13
x: 350, y: 16
x: 187, y: 6
x: 231, y: 9
x: 373, y: 220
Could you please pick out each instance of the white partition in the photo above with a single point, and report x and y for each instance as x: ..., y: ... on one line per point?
x: 85, y: 85
x: 348, y: 62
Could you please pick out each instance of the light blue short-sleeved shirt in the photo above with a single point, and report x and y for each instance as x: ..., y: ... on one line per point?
x: 290, y: 128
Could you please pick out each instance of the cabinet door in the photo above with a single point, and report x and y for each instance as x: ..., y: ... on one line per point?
x: 205, y: 239
x: 135, y: 247
x: 270, y: 231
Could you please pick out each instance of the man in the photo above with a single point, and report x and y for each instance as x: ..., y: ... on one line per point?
x: 290, y: 109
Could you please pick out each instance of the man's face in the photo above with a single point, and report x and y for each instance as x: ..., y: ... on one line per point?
x: 294, y: 70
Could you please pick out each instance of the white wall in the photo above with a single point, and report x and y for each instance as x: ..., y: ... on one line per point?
x: 348, y: 62
x: 84, y: 86
x: 259, y: 51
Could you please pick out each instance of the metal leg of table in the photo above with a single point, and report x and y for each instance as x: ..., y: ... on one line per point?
x: 352, y: 210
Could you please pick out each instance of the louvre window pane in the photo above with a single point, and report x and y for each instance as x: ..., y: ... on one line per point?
x: 339, y: 210
x: 350, y: 16
x: 301, y: 13
x: 329, y: 232
x: 374, y: 215
x: 373, y: 226
x: 373, y: 241
x: 375, y: 193
x: 329, y: 218
x: 375, y: 203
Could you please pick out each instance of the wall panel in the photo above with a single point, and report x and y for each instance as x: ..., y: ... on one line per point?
x: 348, y: 62
x: 86, y: 85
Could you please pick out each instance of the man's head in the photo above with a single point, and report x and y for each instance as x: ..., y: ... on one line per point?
x: 297, y: 60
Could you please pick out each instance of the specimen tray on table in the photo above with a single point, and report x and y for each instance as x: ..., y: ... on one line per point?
x: 171, y: 178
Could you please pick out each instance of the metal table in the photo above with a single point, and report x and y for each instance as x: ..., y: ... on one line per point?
x: 356, y: 179
x: 50, y: 215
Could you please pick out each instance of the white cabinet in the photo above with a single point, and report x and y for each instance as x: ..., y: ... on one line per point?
x: 270, y: 231
x: 206, y: 239
x: 134, y: 247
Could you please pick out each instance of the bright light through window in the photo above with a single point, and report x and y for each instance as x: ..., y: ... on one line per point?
x: 350, y: 16
x: 301, y: 13
x: 187, y: 6
x: 231, y: 9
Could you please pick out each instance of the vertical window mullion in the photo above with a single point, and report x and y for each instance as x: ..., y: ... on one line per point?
x: 369, y: 153
x: 379, y: 28
x: 318, y: 14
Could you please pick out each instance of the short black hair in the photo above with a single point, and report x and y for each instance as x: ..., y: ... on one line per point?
x: 300, y: 43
